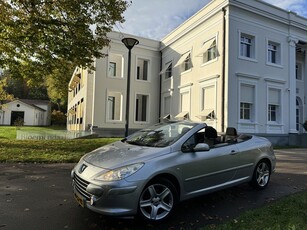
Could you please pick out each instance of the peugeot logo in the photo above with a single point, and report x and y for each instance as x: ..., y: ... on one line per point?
x: 82, y: 168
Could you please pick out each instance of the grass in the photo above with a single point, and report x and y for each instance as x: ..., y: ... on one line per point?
x: 289, y: 213
x: 7, y: 132
x: 50, y: 151
x: 44, y: 151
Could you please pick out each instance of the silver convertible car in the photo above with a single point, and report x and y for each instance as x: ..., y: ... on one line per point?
x: 149, y: 172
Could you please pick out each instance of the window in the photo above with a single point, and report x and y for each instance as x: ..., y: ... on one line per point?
x: 114, y: 106
x: 247, y: 93
x: 298, y: 71
x: 185, y: 102
x: 167, y: 105
x: 141, y: 108
x: 187, y: 64
x: 245, y: 111
x: 247, y: 46
x: 168, y: 72
x: 81, y: 110
x: 210, y: 52
x: 273, y: 53
x: 115, y: 65
x: 208, y: 98
x: 272, y: 115
x: 112, y: 69
x: 142, y: 69
x: 274, y: 105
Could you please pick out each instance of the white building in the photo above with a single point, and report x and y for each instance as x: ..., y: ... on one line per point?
x: 97, y: 99
x: 238, y: 63
x: 27, y: 112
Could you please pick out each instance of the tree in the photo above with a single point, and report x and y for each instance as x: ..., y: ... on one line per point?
x: 34, y: 34
x: 42, y: 40
x: 3, y: 93
x: 57, y: 83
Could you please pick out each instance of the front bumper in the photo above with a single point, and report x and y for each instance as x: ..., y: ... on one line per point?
x: 118, y: 198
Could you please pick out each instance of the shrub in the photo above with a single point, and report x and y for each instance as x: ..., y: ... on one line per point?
x: 58, y: 118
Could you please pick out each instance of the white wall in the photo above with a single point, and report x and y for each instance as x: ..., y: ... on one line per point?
x: 32, y: 116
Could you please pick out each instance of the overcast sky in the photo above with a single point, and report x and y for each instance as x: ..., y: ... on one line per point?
x: 156, y: 18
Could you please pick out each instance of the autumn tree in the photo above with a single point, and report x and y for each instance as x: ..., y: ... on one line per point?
x: 40, y: 40
x: 38, y: 32
x: 4, y: 95
x: 57, y: 83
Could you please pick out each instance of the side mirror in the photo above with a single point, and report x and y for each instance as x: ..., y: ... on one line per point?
x: 201, y: 147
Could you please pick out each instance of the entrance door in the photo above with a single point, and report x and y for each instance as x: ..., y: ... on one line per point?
x: 17, y: 116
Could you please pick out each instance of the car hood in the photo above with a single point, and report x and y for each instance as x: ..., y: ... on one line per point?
x: 119, y: 154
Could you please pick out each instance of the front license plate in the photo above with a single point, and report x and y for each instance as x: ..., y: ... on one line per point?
x: 79, y: 199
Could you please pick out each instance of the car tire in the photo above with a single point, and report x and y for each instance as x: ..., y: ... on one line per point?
x: 158, y: 200
x: 262, y: 175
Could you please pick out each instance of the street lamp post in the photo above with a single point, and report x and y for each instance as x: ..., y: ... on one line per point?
x: 129, y: 43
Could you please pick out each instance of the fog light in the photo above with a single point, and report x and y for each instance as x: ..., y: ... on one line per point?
x: 93, y: 200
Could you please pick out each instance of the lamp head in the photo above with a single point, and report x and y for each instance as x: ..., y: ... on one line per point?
x: 130, y: 42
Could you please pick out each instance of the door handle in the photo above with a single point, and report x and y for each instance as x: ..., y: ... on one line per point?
x: 233, y: 152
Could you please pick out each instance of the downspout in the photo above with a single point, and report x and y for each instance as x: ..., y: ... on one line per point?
x: 223, y: 73
x: 160, y: 87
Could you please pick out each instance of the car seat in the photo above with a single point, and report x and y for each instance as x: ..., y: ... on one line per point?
x: 231, y: 134
x: 210, y: 135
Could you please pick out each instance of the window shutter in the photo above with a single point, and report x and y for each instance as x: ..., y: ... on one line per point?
x: 247, y: 94
x: 274, y: 97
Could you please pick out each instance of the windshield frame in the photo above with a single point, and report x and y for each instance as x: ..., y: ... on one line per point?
x: 160, y: 135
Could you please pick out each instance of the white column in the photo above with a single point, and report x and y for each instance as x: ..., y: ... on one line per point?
x: 292, y: 84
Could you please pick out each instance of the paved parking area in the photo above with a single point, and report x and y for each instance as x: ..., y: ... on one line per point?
x: 39, y: 196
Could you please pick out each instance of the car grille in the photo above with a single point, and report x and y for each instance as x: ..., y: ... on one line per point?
x: 80, y: 186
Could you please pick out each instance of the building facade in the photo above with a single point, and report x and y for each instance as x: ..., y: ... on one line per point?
x: 234, y: 63
x: 97, y: 98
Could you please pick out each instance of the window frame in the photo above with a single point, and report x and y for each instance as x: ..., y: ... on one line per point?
x: 299, y: 71
x: 274, y: 108
x: 114, y: 69
x: 277, y: 51
x: 138, y: 69
x: 212, y: 50
x: 119, y: 66
x: 110, y: 93
x: 252, y: 46
x: 184, y: 61
x: 187, y: 63
x: 252, y: 104
x: 169, y: 71
x: 147, y: 108
x: 244, y: 106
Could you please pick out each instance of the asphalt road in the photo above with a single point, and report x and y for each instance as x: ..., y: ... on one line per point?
x: 39, y: 196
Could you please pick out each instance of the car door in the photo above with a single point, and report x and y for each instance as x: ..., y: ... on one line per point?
x: 207, y: 170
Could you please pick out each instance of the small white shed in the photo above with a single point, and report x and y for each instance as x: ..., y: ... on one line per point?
x: 30, y: 112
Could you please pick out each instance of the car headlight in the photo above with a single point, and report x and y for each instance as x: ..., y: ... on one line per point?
x: 120, y: 173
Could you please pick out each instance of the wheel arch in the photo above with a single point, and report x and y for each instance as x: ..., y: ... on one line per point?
x: 266, y: 159
x: 169, y: 177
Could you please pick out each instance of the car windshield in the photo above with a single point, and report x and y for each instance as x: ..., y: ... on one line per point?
x: 160, y: 135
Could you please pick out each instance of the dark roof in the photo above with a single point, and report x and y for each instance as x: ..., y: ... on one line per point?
x: 37, y: 102
x: 30, y: 102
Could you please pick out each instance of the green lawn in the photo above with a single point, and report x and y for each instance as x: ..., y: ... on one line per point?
x: 289, y: 213
x: 47, y: 151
